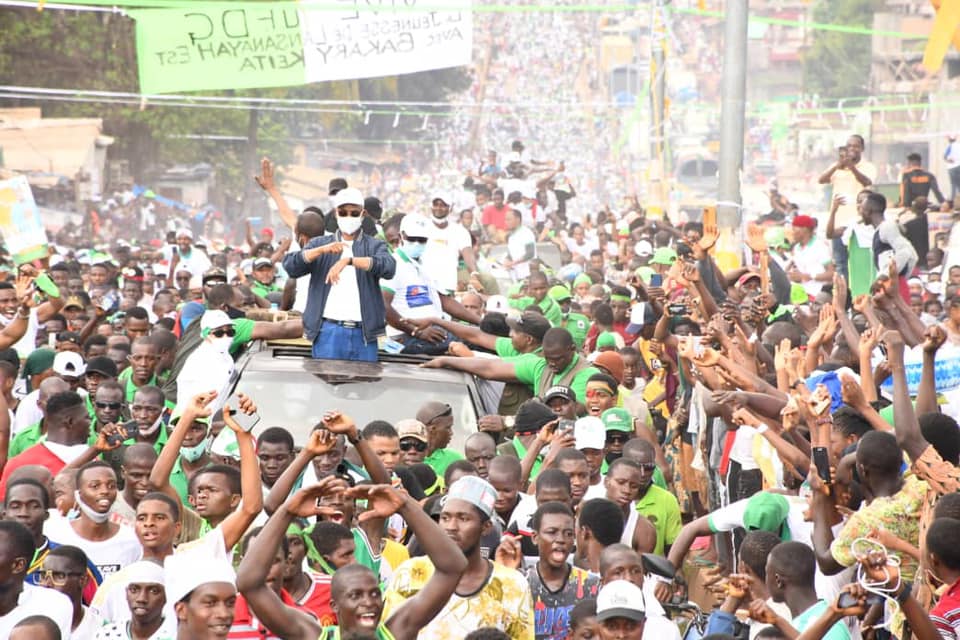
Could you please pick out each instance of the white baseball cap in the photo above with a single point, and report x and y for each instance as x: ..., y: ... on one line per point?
x: 620, y: 599
x: 350, y: 195
x: 443, y: 196
x: 69, y: 363
x: 498, y: 303
x: 589, y: 433
x: 213, y: 318
x: 415, y: 226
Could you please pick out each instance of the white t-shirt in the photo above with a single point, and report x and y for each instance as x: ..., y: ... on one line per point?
x: 846, y: 184
x: 196, y: 263
x: 28, y: 343
x: 812, y: 260
x: 39, y: 601
x: 582, y: 249
x: 517, y: 243
x: 343, y: 300
x: 88, y: 626
x: 442, y: 255
x: 109, y: 556
x: 414, y: 292
x: 28, y: 413
x: 119, y: 631
x: 303, y: 284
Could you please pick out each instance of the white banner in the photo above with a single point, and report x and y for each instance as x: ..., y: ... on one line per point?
x: 20, y: 224
x: 359, y: 43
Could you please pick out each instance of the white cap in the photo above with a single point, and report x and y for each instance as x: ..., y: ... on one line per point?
x: 350, y: 195
x: 643, y: 248
x: 589, y: 433
x: 214, y: 318
x: 143, y: 572
x: 441, y: 195
x: 415, y: 226
x: 498, y: 303
x: 184, y: 233
x: 935, y: 288
x: 187, y: 570
x: 226, y: 445
x: 620, y: 599
x: 69, y: 363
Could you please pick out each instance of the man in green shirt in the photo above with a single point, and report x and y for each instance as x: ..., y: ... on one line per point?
x: 536, y: 290
x: 576, y: 323
x: 526, y: 334
x: 437, y: 417
x: 264, y: 279
x: 30, y: 436
x: 559, y: 364
x: 144, y: 358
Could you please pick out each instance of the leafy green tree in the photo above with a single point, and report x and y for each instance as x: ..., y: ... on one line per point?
x: 838, y: 64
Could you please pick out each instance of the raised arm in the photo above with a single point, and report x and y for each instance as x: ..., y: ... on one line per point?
x: 487, y: 368
x: 342, y: 424
x: 468, y: 333
x: 266, y: 182
x: 905, y: 423
x: 690, y: 532
x: 198, y: 408
x: 234, y: 525
x: 317, y: 444
x: 933, y: 339
x: 453, y: 307
x: 282, y: 620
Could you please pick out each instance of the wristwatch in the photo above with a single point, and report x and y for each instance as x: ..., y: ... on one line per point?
x: 354, y: 441
x: 350, y: 261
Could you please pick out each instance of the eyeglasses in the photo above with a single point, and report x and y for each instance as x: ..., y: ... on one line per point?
x: 59, y: 578
x: 349, y: 214
x: 614, y: 438
x: 417, y: 240
x: 219, y: 333
x: 649, y: 467
x: 113, y: 406
x: 408, y: 445
x: 598, y: 393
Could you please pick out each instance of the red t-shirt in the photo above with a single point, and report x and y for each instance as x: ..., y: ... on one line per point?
x: 496, y: 217
x: 946, y: 615
x: 37, y: 454
x: 246, y: 625
x: 317, y: 599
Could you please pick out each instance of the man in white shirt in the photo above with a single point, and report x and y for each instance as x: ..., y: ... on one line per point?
x: 811, y: 264
x: 447, y: 243
x: 65, y: 570
x: 412, y: 297
x: 848, y: 176
x: 17, y: 599
x: 952, y: 158
x: 521, y: 246
x: 187, y: 257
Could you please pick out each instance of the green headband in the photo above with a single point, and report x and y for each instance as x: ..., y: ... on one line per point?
x: 620, y: 298
x: 313, y: 556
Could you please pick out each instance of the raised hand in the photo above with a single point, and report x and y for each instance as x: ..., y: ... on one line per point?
x: 382, y: 500
x: 319, y: 442
x: 894, y: 342
x: 245, y: 405
x: 106, y: 440
x: 781, y: 352
x: 869, y: 340
x: 851, y: 391
x: 508, y: 553
x: 265, y: 179
x: 839, y: 293
x: 711, y: 233
x: 819, y: 401
x: 790, y: 414
x: 199, y: 405
x: 933, y: 339
x: 305, y: 503
x: 755, y: 238
x: 761, y: 612
x: 340, y: 423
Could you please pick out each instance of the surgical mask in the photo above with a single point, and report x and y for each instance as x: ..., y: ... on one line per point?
x: 440, y: 219
x: 96, y: 516
x: 349, y: 225
x: 192, y: 454
x: 611, y: 456
x: 152, y: 429
x: 414, y: 249
x: 221, y: 345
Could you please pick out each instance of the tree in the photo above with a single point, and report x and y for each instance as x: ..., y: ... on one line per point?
x: 838, y: 64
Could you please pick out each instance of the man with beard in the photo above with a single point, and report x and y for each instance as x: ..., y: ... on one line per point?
x: 356, y: 596
x: 447, y: 245
x: 498, y: 596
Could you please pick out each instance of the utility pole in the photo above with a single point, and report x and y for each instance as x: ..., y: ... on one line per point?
x: 250, y: 161
x: 733, y: 96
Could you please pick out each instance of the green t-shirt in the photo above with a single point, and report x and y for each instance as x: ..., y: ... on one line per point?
x: 505, y: 349
x: 529, y: 367
x: 662, y: 509
x: 440, y: 459
x: 860, y: 267
x: 179, y: 481
x: 551, y: 310
x: 260, y: 289
x: 130, y: 389
x: 333, y: 633
x: 578, y: 325
x: 24, y: 440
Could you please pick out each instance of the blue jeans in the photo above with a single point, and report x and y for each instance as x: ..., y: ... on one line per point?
x: 840, y: 258
x: 336, y: 342
x: 417, y: 346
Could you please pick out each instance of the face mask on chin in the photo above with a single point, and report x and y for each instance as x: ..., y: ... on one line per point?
x: 152, y: 429
x: 349, y: 225
x: 96, y: 516
x: 192, y: 454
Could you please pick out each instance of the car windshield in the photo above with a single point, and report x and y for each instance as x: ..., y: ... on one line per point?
x: 296, y: 401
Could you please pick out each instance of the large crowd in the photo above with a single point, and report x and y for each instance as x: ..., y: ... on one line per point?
x: 761, y: 451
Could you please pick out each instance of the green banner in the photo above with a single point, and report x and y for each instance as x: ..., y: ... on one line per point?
x: 197, y: 48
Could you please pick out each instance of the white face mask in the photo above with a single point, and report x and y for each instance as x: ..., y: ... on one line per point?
x: 152, y: 429
x: 96, y: 516
x: 349, y: 225
x: 221, y: 345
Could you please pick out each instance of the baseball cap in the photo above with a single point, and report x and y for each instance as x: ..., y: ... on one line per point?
x: 617, y: 419
x: 643, y: 248
x: 262, y: 262
x: 433, y: 410
x: 640, y: 314
x: 531, y: 416
x: 589, y: 433
x: 73, y: 301
x: 442, y: 196
x: 411, y: 428
x: 767, y: 511
x: 132, y: 274
x: 620, y: 599
x: 415, y: 226
x: 612, y: 362
x: 373, y: 206
x: 776, y: 237
x: 213, y: 318
x: 214, y: 274
x: 747, y: 277
x: 531, y: 323
x: 335, y: 185
x: 498, y: 303
x: 102, y: 365
x: 664, y: 255
x: 476, y: 491
x: 69, y: 336
x: 69, y: 363
x: 803, y: 221
x: 606, y: 339
x: 350, y: 195
x: 559, y: 391
x: 644, y: 273
x: 559, y: 293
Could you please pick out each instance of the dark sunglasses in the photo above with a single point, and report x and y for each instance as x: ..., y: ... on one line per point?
x: 648, y: 466
x: 409, y: 445
x: 349, y: 214
x: 114, y: 406
x: 417, y: 240
x: 614, y: 438
x: 219, y: 333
